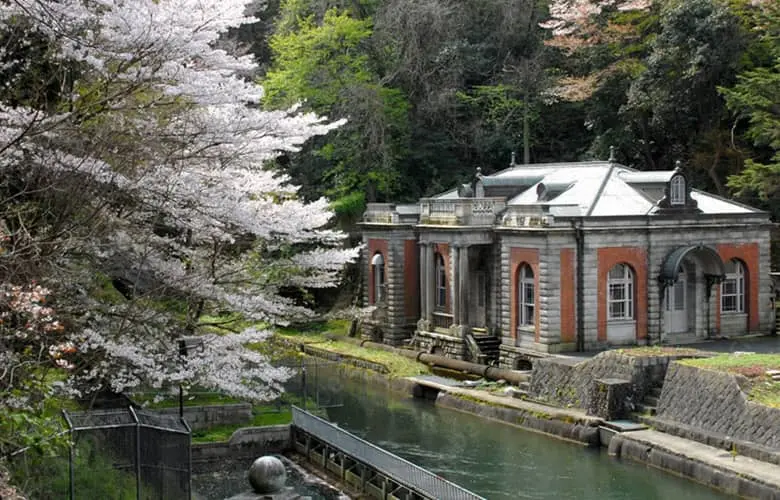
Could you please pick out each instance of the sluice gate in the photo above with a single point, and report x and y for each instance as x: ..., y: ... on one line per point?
x: 365, y: 467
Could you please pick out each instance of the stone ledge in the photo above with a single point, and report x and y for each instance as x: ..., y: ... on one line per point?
x: 742, y: 476
x: 720, y: 441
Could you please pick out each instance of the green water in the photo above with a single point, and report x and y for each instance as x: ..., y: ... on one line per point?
x: 496, y: 460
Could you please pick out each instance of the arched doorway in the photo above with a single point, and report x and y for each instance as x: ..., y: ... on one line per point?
x: 687, y: 277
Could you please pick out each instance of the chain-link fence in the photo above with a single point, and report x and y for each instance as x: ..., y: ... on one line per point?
x: 120, y: 454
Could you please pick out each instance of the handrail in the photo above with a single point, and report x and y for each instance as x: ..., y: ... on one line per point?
x: 404, y: 472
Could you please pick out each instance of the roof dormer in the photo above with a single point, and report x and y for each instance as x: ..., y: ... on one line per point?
x: 677, y: 193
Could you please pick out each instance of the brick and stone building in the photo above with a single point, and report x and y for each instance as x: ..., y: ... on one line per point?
x: 562, y: 257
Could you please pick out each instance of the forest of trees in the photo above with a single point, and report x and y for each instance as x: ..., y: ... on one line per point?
x: 433, y: 89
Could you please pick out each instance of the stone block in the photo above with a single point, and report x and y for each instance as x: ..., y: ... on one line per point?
x: 610, y: 398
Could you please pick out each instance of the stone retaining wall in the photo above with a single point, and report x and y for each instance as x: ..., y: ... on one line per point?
x: 583, y: 431
x: 568, y: 383
x: 713, y: 401
x: 440, y: 344
x: 343, y: 358
x: 246, y: 443
x: 204, y: 417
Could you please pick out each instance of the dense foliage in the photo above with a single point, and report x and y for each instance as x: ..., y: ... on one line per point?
x: 435, y: 88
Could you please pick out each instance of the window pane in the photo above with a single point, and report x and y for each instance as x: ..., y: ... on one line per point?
x: 729, y: 303
x: 730, y: 286
x: 528, y: 316
x: 617, y: 310
x: 618, y: 272
x: 528, y: 293
x: 617, y: 291
x: 679, y: 296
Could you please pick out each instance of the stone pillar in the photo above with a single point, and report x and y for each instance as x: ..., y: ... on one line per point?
x: 423, y: 290
x: 430, y: 282
x: 464, y: 287
x: 455, y: 266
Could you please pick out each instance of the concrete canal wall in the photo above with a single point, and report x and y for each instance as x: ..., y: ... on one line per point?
x: 246, y: 443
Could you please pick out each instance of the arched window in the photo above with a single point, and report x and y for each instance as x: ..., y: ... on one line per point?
x: 620, y: 301
x: 677, y: 190
x: 441, y: 281
x: 526, y: 297
x: 378, y: 272
x: 732, y: 290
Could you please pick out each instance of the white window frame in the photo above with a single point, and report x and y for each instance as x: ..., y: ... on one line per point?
x: 677, y: 192
x: 620, y: 294
x: 441, y: 281
x: 526, y: 297
x: 735, y: 278
x: 378, y: 265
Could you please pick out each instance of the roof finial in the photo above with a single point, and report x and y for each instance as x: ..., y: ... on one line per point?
x: 512, y: 163
x: 678, y: 166
x: 612, y: 158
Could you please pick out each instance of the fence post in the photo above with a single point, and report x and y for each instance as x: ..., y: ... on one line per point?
x: 71, y: 467
x: 137, y: 453
x: 71, y: 471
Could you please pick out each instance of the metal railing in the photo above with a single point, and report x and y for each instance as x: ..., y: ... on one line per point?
x: 404, y: 472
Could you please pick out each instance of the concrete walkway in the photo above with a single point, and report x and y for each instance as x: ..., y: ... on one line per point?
x: 741, y: 467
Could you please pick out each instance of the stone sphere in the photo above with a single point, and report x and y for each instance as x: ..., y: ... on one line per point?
x: 267, y: 475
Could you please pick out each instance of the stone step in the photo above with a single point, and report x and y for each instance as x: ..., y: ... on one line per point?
x: 651, y: 401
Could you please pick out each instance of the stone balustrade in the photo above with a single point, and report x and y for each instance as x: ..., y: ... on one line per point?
x: 461, y: 212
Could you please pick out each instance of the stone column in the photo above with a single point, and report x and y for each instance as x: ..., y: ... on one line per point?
x: 455, y: 300
x: 464, y: 287
x: 423, y: 287
x: 430, y: 282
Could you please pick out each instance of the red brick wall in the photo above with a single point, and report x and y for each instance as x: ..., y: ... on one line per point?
x: 444, y: 250
x: 636, y: 258
x: 411, y: 278
x: 517, y: 257
x: 748, y: 253
x: 375, y: 246
x: 568, y: 294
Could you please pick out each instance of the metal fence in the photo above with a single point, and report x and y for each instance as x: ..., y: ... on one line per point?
x: 148, y: 453
x: 404, y: 472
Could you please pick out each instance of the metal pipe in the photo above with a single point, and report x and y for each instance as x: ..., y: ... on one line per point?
x: 579, y: 237
x: 488, y: 372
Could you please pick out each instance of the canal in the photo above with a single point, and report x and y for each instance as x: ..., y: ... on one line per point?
x: 495, y: 460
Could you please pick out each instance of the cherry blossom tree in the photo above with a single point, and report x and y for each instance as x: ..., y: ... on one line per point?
x: 135, y: 190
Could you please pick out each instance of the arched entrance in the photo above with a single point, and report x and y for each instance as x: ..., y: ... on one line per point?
x: 686, y: 279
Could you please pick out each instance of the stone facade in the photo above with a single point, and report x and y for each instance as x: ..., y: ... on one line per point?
x: 712, y: 400
x: 533, y: 256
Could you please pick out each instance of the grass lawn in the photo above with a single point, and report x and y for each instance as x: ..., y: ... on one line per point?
x: 327, y: 336
x: 648, y: 351
x: 753, y: 366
